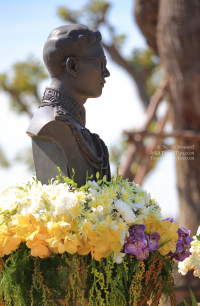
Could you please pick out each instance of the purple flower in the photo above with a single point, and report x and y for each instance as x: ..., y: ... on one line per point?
x: 140, y: 244
x: 182, y: 245
x: 153, y: 241
x: 135, y: 228
x: 171, y: 220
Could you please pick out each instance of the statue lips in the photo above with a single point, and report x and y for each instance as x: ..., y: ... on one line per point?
x: 102, y: 83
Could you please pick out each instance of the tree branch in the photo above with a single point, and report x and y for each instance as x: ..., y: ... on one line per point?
x: 175, y: 134
x: 144, y: 167
x: 14, y: 95
x: 118, y: 59
x: 136, y: 142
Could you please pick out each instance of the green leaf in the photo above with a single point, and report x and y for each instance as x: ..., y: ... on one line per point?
x: 194, y: 301
x: 186, y: 304
x: 117, y: 280
x: 117, y: 290
x: 104, y: 178
x: 34, y: 283
x: 164, y: 242
x: 198, y: 237
x: 125, y: 281
x: 64, y: 274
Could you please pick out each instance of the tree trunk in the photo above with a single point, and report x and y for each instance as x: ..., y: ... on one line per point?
x: 146, y: 16
x: 178, y: 40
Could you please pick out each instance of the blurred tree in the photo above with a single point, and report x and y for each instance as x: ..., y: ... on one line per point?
x: 4, y: 163
x: 172, y: 28
x: 142, y: 65
x: 21, y: 85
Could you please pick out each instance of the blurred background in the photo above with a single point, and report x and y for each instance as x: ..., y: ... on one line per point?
x: 149, y: 112
x: 23, y: 77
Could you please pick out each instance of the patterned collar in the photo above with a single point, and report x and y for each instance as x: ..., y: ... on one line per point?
x: 53, y: 97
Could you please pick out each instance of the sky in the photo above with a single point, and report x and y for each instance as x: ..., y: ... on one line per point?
x: 25, y: 26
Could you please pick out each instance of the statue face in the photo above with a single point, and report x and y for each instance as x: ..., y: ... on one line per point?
x: 91, y: 71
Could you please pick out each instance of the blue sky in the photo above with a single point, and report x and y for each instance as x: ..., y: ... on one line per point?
x: 25, y: 26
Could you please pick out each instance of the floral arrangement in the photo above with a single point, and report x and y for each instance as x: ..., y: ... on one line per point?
x: 191, y: 262
x: 102, y: 244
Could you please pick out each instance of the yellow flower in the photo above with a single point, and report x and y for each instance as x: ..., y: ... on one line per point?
x: 84, y: 249
x: 10, y: 244
x: 101, y: 243
x: 99, y: 238
x: 76, y: 210
x: 71, y: 243
x: 111, y: 191
x: 115, y: 241
x: 38, y: 244
x: 26, y: 225
x: 98, y: 255
x: 61, y: 239
x: 58, y: 230
x: 80, y: 196
x: 167, y: 231
x: 86, y: 227
x: 96, y: 202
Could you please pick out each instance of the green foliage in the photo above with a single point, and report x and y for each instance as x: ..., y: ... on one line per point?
x: 145, y: 63
x: 193, y: 299
x: 25, y: 156
x: 97, y: 6
x: 118, y: 150
x: 21, y: 83
x: 68, y: 15
x: 119, y: 40
x: 96, y: 11
x: 93, y: 14
x: 4, y: 163
x: 25, y: 278
x: 198, y: 237
x: 69, y: 181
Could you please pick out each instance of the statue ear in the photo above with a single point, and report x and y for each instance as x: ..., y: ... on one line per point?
x: 71, y: 66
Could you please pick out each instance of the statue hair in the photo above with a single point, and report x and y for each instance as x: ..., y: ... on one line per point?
x: 67, y: 41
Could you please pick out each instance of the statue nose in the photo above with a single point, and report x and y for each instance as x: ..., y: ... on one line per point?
x: 106, y: 73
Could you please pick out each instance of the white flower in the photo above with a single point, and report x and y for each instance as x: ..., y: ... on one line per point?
x: 182, y: 268
x: 198, y: 231
x: 93, y: 185
x: 147, y: 197
x: 65, y: 202
x: 136, y: 206
x: 125, y: 211
x: 118, y: 257
x: 99, y: 210
x: 114, y: 227
x: 197, y: 273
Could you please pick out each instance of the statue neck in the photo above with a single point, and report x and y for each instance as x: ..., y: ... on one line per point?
x: 67, y: 87
x: 53, y: 97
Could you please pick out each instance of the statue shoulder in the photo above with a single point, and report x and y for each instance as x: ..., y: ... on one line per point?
x: 45, y: 116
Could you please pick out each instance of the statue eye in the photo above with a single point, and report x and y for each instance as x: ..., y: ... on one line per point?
x: 101, y: 65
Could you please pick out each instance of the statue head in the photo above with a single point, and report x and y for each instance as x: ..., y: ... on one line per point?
x: 75, y: 59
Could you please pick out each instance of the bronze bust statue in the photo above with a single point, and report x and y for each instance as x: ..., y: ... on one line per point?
x: 74, y: 57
